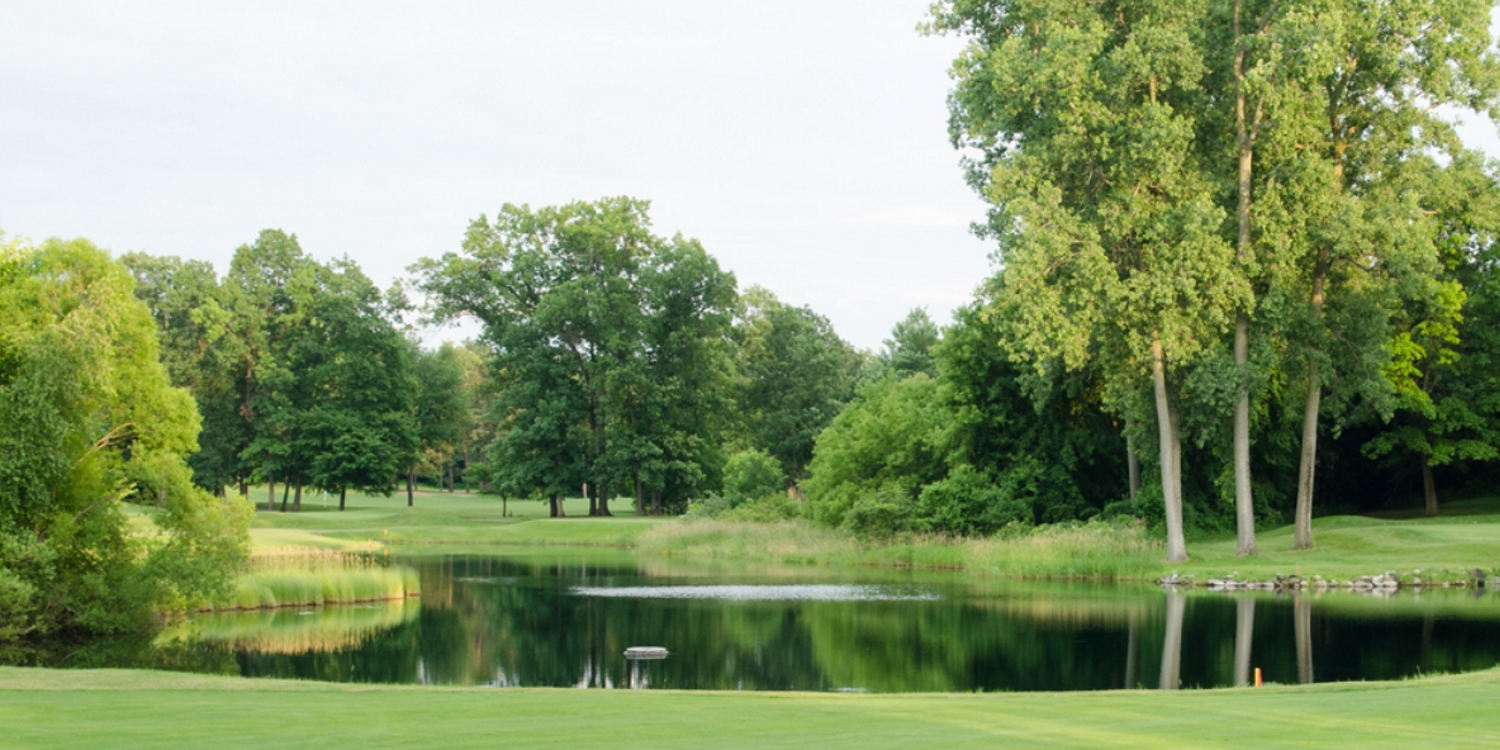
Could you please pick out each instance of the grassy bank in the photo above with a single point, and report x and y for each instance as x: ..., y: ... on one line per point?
x: 312, y: 577
x: 1347, y: 546
x: 41, y: 708
x: 1092, y: 551
x: 442, y: 518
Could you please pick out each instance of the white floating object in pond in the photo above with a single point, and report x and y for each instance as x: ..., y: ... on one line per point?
x: 645, y: 652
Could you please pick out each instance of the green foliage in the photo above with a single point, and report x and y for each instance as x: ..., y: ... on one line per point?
x: 892, y: 439
x: 88, y: 420
x: 797, y: 374
x: 967, y: 502
x: 752, y: 474
x: 610, y: 366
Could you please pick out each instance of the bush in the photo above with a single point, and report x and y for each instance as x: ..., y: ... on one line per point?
x: 765, y: 509
x: 966, y: 502
x: 710, y: 506
x: 750, y: 475
x: 881, y: 514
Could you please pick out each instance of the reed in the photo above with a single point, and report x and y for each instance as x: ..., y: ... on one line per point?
x: 312, y: 577
x: 1090, y: 551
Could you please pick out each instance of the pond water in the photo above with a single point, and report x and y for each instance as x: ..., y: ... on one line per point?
x: 566, y: 622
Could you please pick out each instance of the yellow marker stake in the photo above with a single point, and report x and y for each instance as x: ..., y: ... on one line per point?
x: 1257, y: 676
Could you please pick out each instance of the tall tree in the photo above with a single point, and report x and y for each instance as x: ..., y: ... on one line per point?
x: 608, y: 344
x: 1086, y: 119
x: 441, y: 409
x: 1378, y: 81
x: 797, y: 375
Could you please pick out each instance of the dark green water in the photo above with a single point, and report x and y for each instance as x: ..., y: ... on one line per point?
x: 564, y: 621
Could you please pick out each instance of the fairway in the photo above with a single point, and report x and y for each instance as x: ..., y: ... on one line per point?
x: 125, y: 709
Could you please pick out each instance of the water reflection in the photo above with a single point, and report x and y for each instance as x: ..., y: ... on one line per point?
x: 493, y: 621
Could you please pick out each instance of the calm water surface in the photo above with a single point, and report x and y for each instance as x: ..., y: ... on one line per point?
x: 563, y: 622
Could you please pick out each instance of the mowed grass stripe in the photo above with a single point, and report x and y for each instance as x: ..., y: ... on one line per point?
x: 41, y: 708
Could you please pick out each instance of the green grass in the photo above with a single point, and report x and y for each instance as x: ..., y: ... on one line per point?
x: 1442, y: 549
x: 126, y: 709
x: 449, y: 518
x: 1466, y: 536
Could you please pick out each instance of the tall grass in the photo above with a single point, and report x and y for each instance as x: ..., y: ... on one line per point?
x: 311, y: 577
x: 1091, y: 551
x: 269, y: 631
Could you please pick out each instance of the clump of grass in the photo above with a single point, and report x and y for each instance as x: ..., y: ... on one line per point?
x: 1093, y: 551
x: 311, y: 577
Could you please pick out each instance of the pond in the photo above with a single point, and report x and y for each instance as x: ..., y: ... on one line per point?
x: 566, y: 621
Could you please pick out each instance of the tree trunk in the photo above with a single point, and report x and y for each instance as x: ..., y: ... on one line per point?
x: 640, y: 500
x: 411, y: 478
x: 603, y: 493
x: 271, y: 499
x: 552, y: 509
x: 1244, y: 634
x: 285, y: 491
x: 297, y: 500
x: 1302, y: 628
x: 1171, y: 643
x: 1171, y: 455
x: 1132, y: 657
x: 655, y: 501
x: 342, y: 492
x: 593, y: 506
x: 1429, y: 489
x: 1132, y: 460
x: 1244, y: 500
x: 244, y: 488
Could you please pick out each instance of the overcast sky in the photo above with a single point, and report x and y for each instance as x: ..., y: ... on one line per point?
x: 805, y: 143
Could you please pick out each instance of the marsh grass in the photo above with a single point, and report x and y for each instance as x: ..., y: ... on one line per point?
x: 1093, y: 551
x: 285, y: 631
x: 311, y: 577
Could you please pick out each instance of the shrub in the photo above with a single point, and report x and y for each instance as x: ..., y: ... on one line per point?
x: 750, y: 475
x: 881, y: 514
x: 765, y: 509
x: 966, y: 502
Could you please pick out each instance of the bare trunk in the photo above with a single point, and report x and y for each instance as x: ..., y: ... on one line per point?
x: 1302, y: 627
x: 1171, y: 643
x: 285, y: 492
x: 1171, y: 456
x: 593, y: 502
x: 1244, y: 501
x: 411, y: 478
x: 1244, y: 634
x: 297, y: 500
x: 656, y: 501
x: 604, y: 500
x: 343, y: 491
x: 1132, y: 460
x: 553, y: 509
x: 1429, y: 489
x: 1244, y: 498
x: 1302, y: 535
x: 244, y: 488
x: 466, y: 468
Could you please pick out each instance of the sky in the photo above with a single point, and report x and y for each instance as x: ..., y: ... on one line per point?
x: 804, y: 143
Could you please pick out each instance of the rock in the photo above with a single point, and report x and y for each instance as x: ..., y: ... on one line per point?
x: 1477, y: 576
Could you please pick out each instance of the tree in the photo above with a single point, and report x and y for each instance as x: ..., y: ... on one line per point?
x: 750, y: 475
x: 88, y: 420
x: 1375, y: 86
x: 441, y: 411
x: 609, y: 348
x: 352, y: 387
x: 797, y: 375
x: 1086, y: 120
x: 909, y: 349
x: 1444, y: 351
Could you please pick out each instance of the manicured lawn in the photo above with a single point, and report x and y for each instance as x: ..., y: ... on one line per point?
x: 126, y: 709
x: 441, y: 517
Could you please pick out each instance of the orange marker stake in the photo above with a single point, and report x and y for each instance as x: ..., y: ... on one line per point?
x: 1257, y: 676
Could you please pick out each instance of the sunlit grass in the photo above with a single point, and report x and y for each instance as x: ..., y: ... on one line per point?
x: 126, y: 709
x: 312, y: 577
